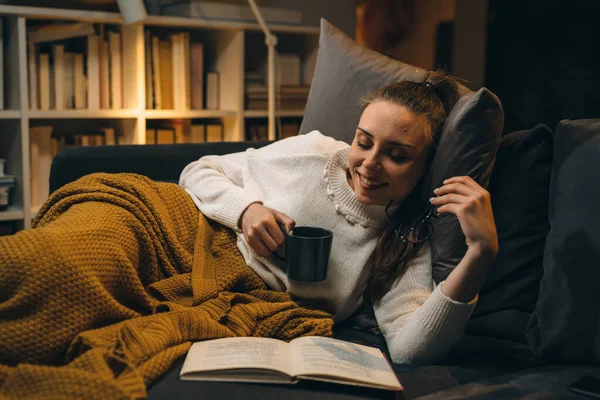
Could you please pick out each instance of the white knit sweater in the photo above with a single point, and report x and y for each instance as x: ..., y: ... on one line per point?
x: 305, y: 178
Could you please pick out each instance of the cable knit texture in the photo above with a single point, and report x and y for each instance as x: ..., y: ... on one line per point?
x: 305, y: 177
x: 118, y: 278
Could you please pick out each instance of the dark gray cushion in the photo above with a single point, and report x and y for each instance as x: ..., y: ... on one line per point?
x: 519, y: 187
x: 566, y: 321
x: 346, y: 71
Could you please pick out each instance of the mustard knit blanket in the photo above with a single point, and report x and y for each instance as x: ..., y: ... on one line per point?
x: 116, y: 280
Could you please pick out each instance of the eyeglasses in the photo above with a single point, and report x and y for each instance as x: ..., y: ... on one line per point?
x: 420, y: 230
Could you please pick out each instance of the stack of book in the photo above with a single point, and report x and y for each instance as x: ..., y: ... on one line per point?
x: 288, y: 97
x: 185, y: 131
x: 175, y: 74
x: 75, y: 66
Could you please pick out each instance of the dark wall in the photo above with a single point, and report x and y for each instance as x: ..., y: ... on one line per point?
x: 543, y: 60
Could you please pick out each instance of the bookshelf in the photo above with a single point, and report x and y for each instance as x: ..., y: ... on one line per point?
x: 232, y: 49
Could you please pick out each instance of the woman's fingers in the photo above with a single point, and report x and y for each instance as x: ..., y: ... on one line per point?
x: 449, y: 198
x: 450, y: 208
x: 274, y: 233
x: 259, y: 247
x: 457, y: 187
x: 466, y: 180
x: 284, y: 220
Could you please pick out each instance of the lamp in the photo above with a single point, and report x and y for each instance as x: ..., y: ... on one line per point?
x: 132, y: 10
x: 271, y: 42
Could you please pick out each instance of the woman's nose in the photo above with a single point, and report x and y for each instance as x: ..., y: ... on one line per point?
x: 371, y: 160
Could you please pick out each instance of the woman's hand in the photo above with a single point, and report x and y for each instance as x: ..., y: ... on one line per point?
x: 465, y: 198
x: 261, y: 229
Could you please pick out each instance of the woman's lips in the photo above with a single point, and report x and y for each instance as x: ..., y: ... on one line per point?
x: 369, y: 183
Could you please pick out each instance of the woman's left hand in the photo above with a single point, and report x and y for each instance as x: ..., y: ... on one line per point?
x: 465, y: 198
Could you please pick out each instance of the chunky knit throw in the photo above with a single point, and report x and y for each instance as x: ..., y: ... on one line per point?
x: 116, y: 280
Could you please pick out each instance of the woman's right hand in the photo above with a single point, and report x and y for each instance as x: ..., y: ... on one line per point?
x: 261, y: 229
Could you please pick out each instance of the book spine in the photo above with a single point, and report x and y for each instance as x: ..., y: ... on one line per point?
x: 116, y: 75
x: 156, y: 73
x: 33, y: 76
x: 80, y: 91
x: 197, y: 75
x: 59, y: 75
x: 44, y: 81
x: 93, y: 72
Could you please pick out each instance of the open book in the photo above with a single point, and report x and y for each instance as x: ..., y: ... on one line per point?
x: 249, y: 359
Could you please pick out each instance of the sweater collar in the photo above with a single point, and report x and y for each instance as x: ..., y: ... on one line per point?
x: 343, y: 197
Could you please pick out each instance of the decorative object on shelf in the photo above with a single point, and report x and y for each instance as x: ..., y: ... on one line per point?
x: 7, y: 186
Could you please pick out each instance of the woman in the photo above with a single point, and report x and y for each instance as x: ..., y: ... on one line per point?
x: 315, y: 180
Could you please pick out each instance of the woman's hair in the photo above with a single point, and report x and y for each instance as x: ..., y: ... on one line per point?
x: 432, y: 98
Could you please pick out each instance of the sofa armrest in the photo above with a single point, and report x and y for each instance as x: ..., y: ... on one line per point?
x: 158, y: 162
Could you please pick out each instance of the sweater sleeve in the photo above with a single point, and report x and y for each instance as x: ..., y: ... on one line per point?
x: 216, y: 185
x: 418, y: 321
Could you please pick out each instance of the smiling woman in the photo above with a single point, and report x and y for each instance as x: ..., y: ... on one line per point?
x: 314, y: 180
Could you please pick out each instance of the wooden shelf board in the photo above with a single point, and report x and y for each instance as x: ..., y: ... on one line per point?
x: 61, y: 13
x: 185, y: 22
x: 184, y: 114
x: 11, y: 214
x: 10, y: 114
x: 278, y: 113
x: 99, y: 114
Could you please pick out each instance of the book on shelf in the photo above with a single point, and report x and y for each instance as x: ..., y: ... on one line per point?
x: 58, y: 58
x: 104, y: 70
x: 265, y: 360
x: 197, y: 75
x: 32, y: 63
x: 148, y: 70
x: 80, y: 83
x: 59, y: 31
x: 213, y: 91
x: 93, y: 72
x: 81, y: 73
x: 156, y: 73
x: 116, y: 68
x: 289, y: 69
x: 44, y: 81
x: 69, y: 80
x: 174, y: 71
x: 41, y: 155
x: 287, y: 97
x: 165, y: 85
x: 91, y: 137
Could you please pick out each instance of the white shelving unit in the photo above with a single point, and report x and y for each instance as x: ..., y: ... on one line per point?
x: 225, y: 43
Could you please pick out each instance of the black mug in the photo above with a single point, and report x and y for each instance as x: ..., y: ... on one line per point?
x: 307, y: 250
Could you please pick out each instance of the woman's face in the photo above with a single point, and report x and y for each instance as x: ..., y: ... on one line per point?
x: 388, y: 154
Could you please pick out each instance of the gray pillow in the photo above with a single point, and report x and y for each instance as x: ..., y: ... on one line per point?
x: 346, y: 71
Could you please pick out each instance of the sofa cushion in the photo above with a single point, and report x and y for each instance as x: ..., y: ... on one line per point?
x: 519, y: 188
x: 346, y: 71
x: 566, y: 320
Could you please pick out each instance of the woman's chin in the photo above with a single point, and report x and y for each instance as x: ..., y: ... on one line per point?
x: 368, y: 200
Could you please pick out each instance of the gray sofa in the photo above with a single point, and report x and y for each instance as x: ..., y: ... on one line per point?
x: 536, y: 327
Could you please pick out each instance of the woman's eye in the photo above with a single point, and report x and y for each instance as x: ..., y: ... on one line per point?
x: 399, y: 158
x: 363, y: 145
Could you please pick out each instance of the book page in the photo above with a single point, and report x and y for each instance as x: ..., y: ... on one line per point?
x: 237, y: 353
x: 333, y: 358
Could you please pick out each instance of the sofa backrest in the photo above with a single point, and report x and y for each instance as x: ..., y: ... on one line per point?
x: 158, y: 162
